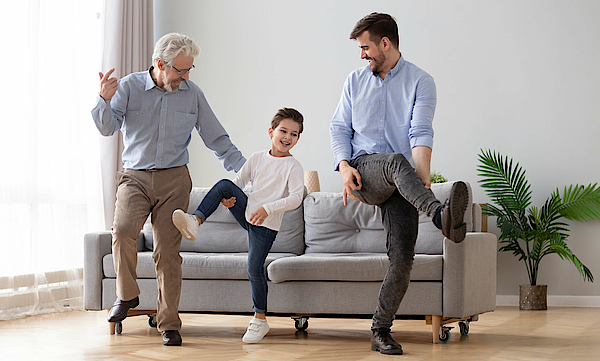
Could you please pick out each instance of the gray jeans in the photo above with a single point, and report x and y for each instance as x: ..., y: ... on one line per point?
x: 390, y: 182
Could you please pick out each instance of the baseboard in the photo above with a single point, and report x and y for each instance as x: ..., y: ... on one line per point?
x: 553, y: 301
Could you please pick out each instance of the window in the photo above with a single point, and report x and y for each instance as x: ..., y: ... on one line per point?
x: 50, y: 193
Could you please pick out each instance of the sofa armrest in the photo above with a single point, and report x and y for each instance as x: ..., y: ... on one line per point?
x: 95, y: 246
x: 469, y: 282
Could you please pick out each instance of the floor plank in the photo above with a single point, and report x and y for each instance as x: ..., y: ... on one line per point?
x: 506, y: 334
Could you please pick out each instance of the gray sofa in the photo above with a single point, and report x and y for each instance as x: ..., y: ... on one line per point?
x: 327, y: 260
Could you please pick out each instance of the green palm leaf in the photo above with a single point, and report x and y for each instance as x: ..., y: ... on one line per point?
x: 580, y: 203
x: 504, y: 181
x: 559, y: 246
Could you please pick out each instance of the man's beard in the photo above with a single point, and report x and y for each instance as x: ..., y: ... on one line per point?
x: 377, y: 64
x: 168, y: 86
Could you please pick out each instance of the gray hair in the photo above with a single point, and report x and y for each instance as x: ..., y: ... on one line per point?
x: 169, y: 46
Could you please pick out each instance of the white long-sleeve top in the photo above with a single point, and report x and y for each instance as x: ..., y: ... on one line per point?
x: 277, y: 184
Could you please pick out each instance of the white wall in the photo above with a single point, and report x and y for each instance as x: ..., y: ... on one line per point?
x: 520, y: 77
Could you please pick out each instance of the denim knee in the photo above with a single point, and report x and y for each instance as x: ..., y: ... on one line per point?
x: 227, y: 181
x: 255, y: 273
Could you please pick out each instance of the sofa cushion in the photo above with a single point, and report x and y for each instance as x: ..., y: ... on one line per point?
x: 197, y: 265
x: 349, y: 267
x: 222, y: 233
x: 331, y: 227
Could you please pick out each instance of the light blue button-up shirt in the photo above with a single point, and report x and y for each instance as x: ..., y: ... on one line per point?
x: 384, y: 116
x: 157, y: 125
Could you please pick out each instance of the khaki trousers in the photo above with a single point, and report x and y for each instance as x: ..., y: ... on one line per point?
x: 156, y: 192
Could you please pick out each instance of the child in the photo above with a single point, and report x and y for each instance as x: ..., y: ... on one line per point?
x: 277, y: 181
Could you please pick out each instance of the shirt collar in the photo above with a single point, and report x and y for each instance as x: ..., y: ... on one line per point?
x: 397, y: 67
x: 150, y: 83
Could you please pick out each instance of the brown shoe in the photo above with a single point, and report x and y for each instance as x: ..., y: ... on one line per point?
x: 385, y: 344
x: 452, y: 215
x: 118, y: 312
x: 171, y: 338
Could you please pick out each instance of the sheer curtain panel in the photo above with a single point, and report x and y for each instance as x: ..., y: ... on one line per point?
x: 50, y: 191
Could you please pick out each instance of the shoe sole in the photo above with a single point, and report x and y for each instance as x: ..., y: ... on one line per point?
x: 397, y: 351
x: 181, y: 224
x: 459, y: 198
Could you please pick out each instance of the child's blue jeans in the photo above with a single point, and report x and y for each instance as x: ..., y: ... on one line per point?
x: 260, y: 239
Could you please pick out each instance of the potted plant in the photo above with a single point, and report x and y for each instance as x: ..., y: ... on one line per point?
x: 436, y: 177
x: 530, y: 232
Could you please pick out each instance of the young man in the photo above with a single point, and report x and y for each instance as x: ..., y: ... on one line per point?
x: 381, y: 129
x: 277, y: 181
x: 157, y: 110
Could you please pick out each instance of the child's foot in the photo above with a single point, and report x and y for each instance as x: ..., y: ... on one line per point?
x: 257, y: 329
x: 186, y: 224
x: 452, y: 214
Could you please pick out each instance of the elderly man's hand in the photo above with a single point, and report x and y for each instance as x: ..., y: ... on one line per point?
x: 108, y: 85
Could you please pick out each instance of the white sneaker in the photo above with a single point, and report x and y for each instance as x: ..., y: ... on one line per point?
x: 256, y: 330
x: 186, y: 224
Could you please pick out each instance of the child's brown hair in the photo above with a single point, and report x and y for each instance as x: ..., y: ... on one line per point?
x: 288, y: 113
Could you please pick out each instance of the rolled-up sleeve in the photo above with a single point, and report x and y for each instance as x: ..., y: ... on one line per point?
x: 340, y: 129
x: 421, y: 125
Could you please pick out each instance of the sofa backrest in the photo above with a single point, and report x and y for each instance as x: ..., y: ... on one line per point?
x: 332, y: 228
x: 222, y: 233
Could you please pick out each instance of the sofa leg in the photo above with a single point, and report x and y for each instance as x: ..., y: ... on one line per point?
x: 436, y: 323
x: 111, y: 328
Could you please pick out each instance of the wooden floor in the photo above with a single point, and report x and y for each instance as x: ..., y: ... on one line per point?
x: 506, y: 334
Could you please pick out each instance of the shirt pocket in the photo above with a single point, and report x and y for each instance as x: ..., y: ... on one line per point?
x: 183, y: 125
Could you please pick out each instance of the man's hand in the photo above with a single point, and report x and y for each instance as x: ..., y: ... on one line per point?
x: 352, y: 180
x: 108, y: 85
x: 228, y: 202
x: 258, y: 217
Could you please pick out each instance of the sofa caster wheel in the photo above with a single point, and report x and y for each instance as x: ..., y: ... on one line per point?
x: 301, y: 323
x: 444, y: 334
x: 118, y: 327
x: 152, y: 320
x: 464, y: 327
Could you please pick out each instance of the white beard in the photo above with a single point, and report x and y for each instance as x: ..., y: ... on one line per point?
x: 168, y: 86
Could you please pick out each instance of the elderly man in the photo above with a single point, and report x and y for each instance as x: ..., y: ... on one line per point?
x: 157, y: 110
x: 381, y: 136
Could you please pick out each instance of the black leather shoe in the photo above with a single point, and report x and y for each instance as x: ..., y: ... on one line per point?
x: 118, y: 311
x: 171, y: 338
x: 453, y: 225
x: 385, y: 344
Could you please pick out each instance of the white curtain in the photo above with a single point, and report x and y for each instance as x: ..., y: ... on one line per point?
x: 50, y: 190
x: 127, y: 44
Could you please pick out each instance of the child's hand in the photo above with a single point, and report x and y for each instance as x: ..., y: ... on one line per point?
x: 258, y: 217
x: 228, y: 202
